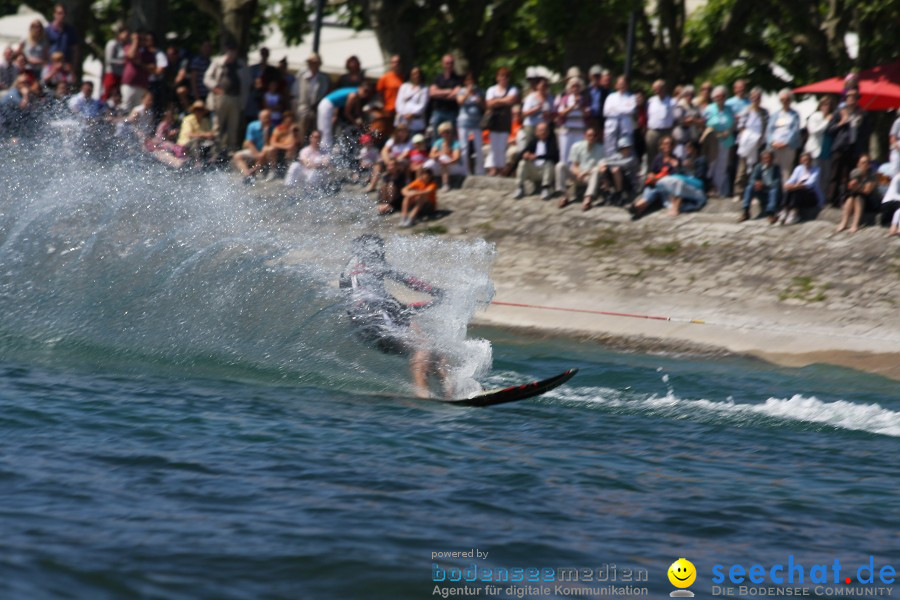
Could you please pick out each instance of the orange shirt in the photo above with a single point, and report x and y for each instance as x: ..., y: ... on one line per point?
x: 431, y: 188
x: 388, y: 86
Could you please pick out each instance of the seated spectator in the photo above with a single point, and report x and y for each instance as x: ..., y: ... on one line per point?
x: 687, y: 190
x: 655, y: 193
x: 419, y: 198
x: 617, y: 174
x: 890, y: 205
x: 253, y: 156
x: 196, y: 135
x: 765, y: 185
x: 140, y: 119
x: 802, y: 191
x: 418, y: 154
x: 312, y: 167
x: 15, y: 102
x: 284, y: 143
x: 537, y: 163
x: 397, y: 148
x: 85, y: 105
x: 581, y: 168
x: 162, y: 146
x: 445, y: 155
x: 366, y: 160
x: 57, y: 70
x: 860, y: 194
x: 392, y: 183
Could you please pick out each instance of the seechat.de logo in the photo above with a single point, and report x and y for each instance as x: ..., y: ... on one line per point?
x: 682, y: 574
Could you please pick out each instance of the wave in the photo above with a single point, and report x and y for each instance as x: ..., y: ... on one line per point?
x: 123, y: 256
x: 870, y: 418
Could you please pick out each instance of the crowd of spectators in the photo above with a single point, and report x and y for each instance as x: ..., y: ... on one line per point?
x: 407, y: 137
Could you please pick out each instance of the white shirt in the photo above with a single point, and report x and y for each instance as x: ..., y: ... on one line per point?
x: 412, y: 100
x: 618, y: 112
x: 540, y: 150
x: 532, y: 101
x: 660, y: 113
x: 816, y: 125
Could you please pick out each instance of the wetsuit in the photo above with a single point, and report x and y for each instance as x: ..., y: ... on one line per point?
x: 378, y: 317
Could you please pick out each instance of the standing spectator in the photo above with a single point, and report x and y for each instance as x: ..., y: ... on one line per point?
x: 35, y: 48
x: 412, y: 100
x: 721, y: 121
x: 751, y: 126
x: 597, y: 92
x: 114, y: 62
x: 537, y: 163
x: 354, y: 76
x: 8, y: 69
x: 765, y: 185
x: 850, y: 137
x: 688, y: 121
x: 571, y: 116
x: 818, y: 144
x: 861, y: 189
x: 228, y: 80
x: 259, y: 78
x: 618, y: 115
x: 581, y: 167
x: 801, y: 191
x: 660, y: 118
x: 388, y: 87
x: 312, y: 86
x: 500, y: 99
x: 443, y: 92
x: 255, y: 153
x: 468, y: 124
x: 740, y: 101
x: 704, y: 98
x: 894, y: 141
x: 63, y: 37
x: 783, y: 132
x: 198, y: 66
x: 330, y: 108
x: 139, y: 63
x: 537, y: 107
x: 640, y: 125
x: 357, y: 106
x: 157, y: 82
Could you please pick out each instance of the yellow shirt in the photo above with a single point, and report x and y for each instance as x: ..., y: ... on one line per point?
x: 191, y: 125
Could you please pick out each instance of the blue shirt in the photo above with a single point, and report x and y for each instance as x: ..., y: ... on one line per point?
x: 338, y: 97
x: 256, y: 135
x: 439, y: 145
x: 737, y: 105
x: 721, y: 121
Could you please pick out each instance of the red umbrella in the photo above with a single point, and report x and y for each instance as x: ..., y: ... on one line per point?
x: 879, y: 87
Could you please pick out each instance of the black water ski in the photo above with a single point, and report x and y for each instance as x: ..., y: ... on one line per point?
x: 516, y: 392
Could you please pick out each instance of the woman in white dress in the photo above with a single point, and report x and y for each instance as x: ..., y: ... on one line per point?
x: 412, y: 100
x: 500, y: 99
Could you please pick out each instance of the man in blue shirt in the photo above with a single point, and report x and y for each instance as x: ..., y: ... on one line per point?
x: 597, y: 92
x: 254, y: 155
x: 62, y: 37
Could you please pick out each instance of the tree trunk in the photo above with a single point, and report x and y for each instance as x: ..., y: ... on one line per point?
x: 393, y: 27
x: 150, y: 15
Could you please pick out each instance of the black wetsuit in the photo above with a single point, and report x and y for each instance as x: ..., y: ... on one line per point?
x: 378, y: 318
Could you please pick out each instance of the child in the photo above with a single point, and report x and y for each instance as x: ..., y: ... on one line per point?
x: 420, y: 196
x: 366, y: 160
x: 419, y: 154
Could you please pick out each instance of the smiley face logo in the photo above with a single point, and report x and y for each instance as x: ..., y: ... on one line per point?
x: 682, y: 573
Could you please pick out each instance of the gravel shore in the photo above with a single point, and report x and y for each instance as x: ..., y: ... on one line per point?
x: 792, y: 295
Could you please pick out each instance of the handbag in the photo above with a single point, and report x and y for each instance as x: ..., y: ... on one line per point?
x: 486, y: 118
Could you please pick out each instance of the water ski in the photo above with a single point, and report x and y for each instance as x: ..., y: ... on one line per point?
x: 515, y: 393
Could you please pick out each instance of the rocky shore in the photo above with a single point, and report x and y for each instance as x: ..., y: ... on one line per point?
x: 792, y: 295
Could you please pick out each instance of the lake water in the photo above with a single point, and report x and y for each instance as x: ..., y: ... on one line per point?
x: 184, y: 414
